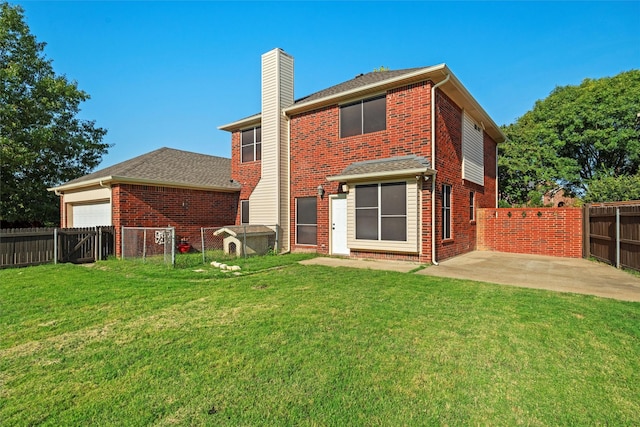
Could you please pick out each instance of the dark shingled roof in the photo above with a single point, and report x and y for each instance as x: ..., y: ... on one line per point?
x: 357, y: 82
x: 360, y: 80
x: 170, y: 167
x: 392, y: 164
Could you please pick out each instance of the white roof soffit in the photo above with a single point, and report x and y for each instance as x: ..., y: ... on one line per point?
x: 464, y: 99
x: 252, y: 120
x: 108, y: 180
x: 381, y: 175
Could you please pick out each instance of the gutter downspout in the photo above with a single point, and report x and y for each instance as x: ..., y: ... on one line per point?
x: 63, y: 219
x: 433, y: 160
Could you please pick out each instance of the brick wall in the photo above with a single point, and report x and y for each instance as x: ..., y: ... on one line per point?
x: 247, y: 174
x: 538, y: 231
x: 185, y: 209
x: 449, y: 167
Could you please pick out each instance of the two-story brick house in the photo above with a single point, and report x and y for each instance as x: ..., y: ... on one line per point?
x: 390, y: 164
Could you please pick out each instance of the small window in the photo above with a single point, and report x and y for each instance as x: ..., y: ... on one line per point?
x: 381, y: 211
x: 365, y: 116
x: 306, y: 221
x: 251, y: 142
x: 472, y: 209
x: 446, y: 212
x: 244, y: 211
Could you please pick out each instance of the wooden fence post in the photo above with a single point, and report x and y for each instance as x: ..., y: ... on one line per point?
x: 618, y: 237
x: 55, y: 245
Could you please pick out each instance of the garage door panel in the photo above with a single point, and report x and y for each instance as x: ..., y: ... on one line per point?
x: 92, y: 215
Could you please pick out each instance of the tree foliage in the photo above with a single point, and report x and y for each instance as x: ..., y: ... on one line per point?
x: 578, y: 135
x: 42, y: 141
x: 614, y: 188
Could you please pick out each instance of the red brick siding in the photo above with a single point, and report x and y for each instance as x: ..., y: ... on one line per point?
x: 538, y: 231
x: 185, y: 209
x: 247, y: 174
x: 317, y: 151
x: 449, y: 167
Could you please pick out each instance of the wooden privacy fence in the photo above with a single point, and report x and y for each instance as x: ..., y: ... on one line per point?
x: 613, y: 234
x: 22, y: 247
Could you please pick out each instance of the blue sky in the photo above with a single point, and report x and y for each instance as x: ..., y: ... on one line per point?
x: 167, y: 74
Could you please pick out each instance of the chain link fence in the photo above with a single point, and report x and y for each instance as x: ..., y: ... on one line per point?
x: 212, y: 245
x: 247, y: 240
x: 149, y: 244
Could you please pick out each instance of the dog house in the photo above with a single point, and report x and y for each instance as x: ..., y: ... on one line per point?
x: 244, y: 240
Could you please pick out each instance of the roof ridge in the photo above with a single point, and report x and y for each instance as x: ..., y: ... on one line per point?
x: 168, y: 165
x: 337, y: 88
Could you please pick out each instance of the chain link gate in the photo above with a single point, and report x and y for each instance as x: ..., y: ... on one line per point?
x: 149, y: 244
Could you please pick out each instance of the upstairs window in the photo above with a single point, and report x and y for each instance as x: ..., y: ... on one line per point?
x: 364, y: 116
x: 251, y: 141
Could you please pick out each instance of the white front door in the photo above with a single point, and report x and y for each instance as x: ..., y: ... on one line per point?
x: 339, y: 225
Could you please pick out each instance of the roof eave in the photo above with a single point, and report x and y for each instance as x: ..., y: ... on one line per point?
x: 378, y: 175
x: 239, y: 124
x: 110, y: 180
x: 469, y: 103
x: 82, y: 184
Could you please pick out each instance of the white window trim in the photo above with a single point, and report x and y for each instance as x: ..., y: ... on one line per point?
x: 242, y: 203
x: 297, y: 224
x: 355, y: 101
x: 254, y: 144
x: 413, y: 209
x: 450, y: 209
x: 472, y: 205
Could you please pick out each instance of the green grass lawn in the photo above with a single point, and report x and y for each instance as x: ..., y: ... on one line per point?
x: 123, y: 343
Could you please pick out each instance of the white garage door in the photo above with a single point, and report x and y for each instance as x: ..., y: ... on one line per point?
x: 92, y: 215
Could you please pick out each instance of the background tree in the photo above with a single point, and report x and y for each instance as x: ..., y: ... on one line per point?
x: 576, y: 136
x: 42, y: 141
x: 614, y: 188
